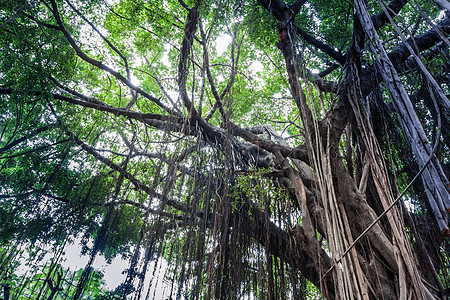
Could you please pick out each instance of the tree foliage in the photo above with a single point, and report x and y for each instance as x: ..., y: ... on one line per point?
x: 306, y: 156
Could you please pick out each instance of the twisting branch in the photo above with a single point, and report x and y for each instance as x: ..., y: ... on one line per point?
x: 100, y: 65
x: 107, y: 41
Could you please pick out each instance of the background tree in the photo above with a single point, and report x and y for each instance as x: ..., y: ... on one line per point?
x: 313, y: 151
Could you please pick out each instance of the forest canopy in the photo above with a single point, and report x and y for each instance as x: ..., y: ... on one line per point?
x: 250, y: 149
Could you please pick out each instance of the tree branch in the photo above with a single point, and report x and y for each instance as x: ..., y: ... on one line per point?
x: 10, y: 144
x: 296, y: 6
x: 102, y: 66
x: 186, y: 45
x: 370, y: 78
x: 162, y: 122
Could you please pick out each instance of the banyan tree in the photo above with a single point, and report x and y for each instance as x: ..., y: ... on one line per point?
x: 253, y: 149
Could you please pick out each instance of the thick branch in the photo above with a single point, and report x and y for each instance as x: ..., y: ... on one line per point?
x: 394, y: 7
x: 321, y: 45
x: 288, y: 246
x: 298, y: 153
x: 283, y: 13
x: 186, y: 45
x: 370, y: 78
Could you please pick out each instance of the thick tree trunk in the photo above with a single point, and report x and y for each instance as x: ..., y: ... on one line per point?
x: 435, y: 181
x: 344, y: 204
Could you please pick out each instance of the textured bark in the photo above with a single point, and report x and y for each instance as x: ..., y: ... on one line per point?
x: 436, y: 182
